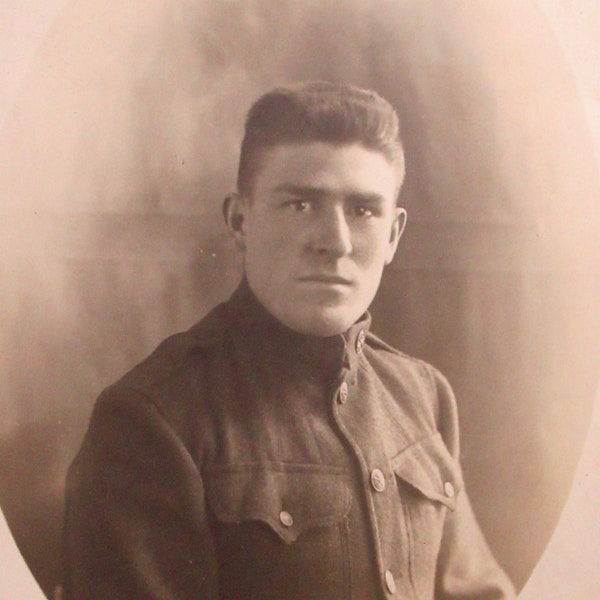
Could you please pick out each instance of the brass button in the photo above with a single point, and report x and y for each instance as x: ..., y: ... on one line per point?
x: 343, y: 393
x: 377, y: 480
x: 286, y: 519
x: 390, y: 582
x: 449, y: 489
x: 360, y: 341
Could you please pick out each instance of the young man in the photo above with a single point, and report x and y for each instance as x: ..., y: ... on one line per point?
x: 279, y: 450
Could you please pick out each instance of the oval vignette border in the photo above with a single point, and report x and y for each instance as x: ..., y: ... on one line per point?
x: 21, y: 43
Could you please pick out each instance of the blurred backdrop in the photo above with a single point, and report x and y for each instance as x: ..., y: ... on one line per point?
x: 123, y: 139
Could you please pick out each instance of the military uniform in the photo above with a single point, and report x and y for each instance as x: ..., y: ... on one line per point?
x: 243, y: 460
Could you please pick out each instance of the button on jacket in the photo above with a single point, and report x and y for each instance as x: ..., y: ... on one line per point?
x: 243, y: 460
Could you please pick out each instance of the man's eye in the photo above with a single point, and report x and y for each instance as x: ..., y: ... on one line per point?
x: 299, y: 205
x: 363, y: 211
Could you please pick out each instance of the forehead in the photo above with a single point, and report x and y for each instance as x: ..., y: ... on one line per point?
x: 331, y: 167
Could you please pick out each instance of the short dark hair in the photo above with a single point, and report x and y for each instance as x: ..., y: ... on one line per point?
x: 318, y: 111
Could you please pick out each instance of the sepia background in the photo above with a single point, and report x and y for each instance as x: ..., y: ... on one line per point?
x: 120, y: 140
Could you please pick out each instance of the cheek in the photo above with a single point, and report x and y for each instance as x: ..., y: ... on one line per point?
x: 260, y: 237
x: 270, y: 249
x: 281, y: 244
x: 371, y: 251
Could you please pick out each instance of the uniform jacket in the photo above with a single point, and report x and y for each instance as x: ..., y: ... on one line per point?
x: 242, y: 460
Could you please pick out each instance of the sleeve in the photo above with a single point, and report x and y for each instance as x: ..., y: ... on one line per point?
x: 135, y: 518
x: 466, y: 568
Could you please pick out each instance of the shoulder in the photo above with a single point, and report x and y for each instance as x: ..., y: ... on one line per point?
x: 174, y: 355
x: 165, y: 389
x: 420, y: 381
x: 386, y: 357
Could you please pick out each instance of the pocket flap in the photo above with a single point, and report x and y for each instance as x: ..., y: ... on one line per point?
x: 289, y: 498
x: 428, y: 466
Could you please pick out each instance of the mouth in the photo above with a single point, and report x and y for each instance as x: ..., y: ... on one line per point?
x: 325, y: 279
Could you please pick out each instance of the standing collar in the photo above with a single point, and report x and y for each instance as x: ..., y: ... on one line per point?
x: 267, y: 334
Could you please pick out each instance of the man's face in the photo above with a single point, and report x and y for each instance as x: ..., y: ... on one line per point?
x: 316, y: 233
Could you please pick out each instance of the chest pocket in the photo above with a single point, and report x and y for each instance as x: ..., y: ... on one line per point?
x: 429, y: 483
x: 280, y: 530
x: 429, y: 469
x: 290, y: 499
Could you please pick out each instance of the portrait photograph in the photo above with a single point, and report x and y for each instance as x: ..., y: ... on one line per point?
x: 300, y: 299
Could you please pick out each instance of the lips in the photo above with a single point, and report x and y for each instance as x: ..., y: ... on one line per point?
x: 326, y: 279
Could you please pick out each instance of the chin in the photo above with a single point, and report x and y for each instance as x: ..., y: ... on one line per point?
x: 326, y: 325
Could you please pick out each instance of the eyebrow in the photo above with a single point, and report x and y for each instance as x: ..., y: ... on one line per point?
x: 308, y: 191
x: 298, y: 190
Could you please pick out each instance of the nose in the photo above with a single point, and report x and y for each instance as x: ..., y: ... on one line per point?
x: 332, y: 234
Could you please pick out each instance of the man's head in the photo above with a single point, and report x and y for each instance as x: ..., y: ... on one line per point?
x: 315, y: 215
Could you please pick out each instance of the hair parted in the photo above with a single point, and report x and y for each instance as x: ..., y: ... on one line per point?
x: 318, y: 111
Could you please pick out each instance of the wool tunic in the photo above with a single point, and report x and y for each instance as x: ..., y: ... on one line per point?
x: 245, y: 461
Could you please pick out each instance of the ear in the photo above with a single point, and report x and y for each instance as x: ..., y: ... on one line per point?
x: 234, y: 209
x: 398, y: 225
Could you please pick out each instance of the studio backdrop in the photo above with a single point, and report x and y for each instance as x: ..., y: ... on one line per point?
x: 125, y: 137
